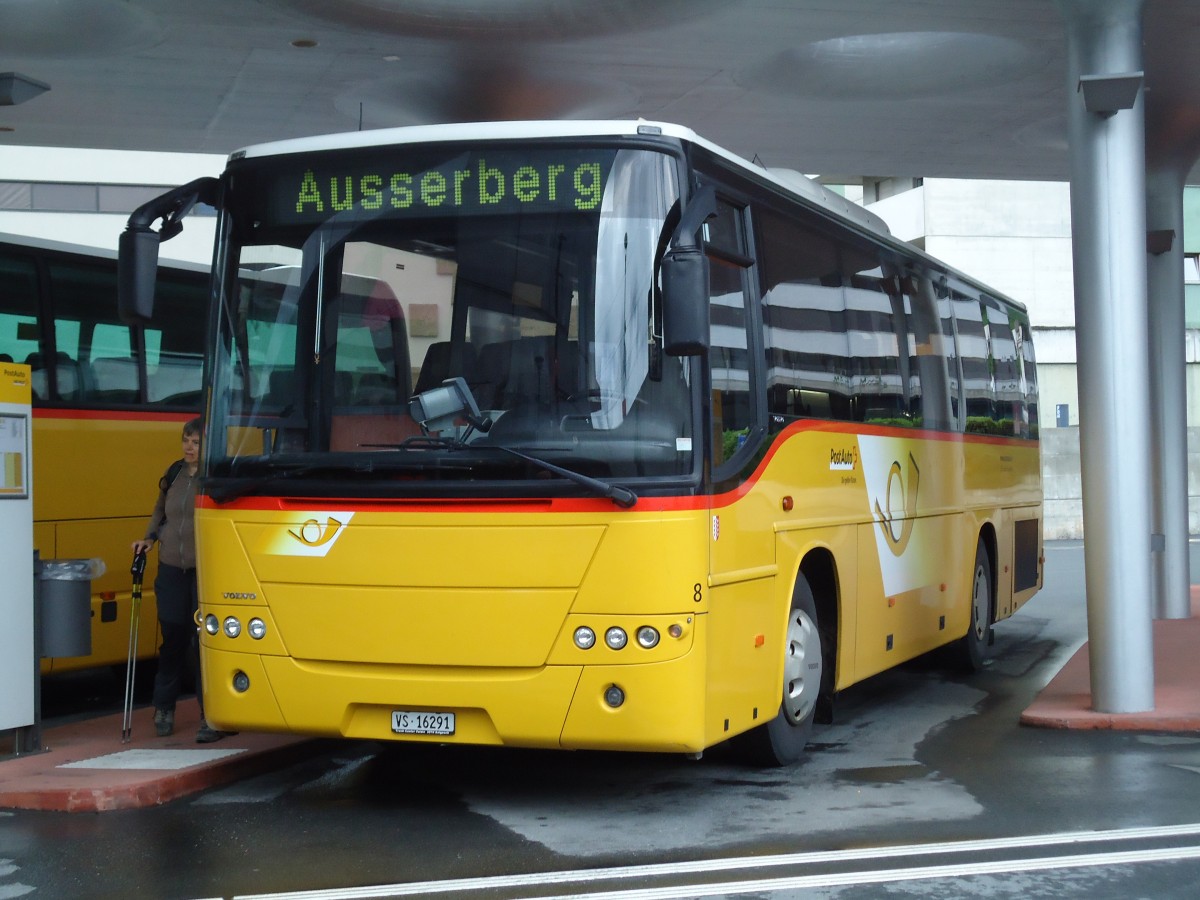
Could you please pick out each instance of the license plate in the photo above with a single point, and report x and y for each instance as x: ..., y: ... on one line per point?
x: 412, y: 722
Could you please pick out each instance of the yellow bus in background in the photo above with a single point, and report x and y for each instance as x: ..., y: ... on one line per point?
x: 109, y: 402
x: 587, y: 435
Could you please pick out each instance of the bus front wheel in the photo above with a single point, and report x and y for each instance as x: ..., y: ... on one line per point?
x: 781, y: 741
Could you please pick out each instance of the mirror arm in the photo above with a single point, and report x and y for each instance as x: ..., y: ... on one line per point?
x: 701, y: 208
x: 172, y: 206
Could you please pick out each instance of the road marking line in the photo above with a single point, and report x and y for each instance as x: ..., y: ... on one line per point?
x: 889, y: 876
x: 542, y: 879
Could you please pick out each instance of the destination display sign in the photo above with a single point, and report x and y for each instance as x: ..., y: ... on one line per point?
x: 399, y: 183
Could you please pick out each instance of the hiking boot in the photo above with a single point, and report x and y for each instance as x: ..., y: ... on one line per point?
x: 206, y: 734
x: 164, y: 722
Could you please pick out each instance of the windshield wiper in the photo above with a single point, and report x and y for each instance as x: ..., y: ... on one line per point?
x: 242, y: 487
x: 622, y: 496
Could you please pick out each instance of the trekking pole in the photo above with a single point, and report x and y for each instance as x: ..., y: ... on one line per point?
x: 135, y: 614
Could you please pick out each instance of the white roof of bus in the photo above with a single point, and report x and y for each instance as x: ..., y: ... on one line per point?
x: 39, y: 243
x: 105, y: 253
x: 471, y: 131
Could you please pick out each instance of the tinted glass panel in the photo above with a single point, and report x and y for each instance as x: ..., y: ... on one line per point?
x: 18, y: 311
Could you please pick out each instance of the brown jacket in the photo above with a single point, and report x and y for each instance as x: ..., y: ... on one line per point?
x: 172, y: 523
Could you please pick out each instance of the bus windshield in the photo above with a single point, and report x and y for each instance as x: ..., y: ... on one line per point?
x: 353, y: 281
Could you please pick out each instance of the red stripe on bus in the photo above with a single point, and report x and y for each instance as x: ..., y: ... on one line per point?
x: 599, y: 504
x: 121, y: 415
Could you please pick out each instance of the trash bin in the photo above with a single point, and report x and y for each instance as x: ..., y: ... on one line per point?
x: 66, y: 605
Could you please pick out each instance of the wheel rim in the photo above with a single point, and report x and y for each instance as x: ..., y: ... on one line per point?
x: 980, y: 599
x: 802, y: 668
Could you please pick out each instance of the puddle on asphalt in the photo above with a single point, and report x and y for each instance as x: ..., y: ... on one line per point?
x: 883, y: 774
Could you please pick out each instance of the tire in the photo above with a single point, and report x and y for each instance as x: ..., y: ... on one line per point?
x: 781, y: 741
x: 973, y: 648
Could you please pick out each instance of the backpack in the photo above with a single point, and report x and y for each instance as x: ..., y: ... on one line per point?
x: 173, y: 470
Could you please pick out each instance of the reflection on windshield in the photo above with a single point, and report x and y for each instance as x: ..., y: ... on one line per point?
x: 550, y: 317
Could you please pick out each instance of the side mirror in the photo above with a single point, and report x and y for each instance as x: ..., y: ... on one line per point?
x: 137, y: 269
x: 685, y: 281
x: 685, y: 302
x: 137, y: 260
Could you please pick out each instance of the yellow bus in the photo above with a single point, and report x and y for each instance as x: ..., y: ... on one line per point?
x: 587, y: 435
x: 108, y: 404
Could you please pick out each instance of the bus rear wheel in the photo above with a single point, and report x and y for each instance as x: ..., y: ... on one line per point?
x: 972, y: 649
x: 781, y: 741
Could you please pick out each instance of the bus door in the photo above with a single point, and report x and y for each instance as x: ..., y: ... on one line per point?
x: 743, y: 664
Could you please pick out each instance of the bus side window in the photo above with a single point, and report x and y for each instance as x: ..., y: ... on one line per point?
x: 977, y: 384
x: 1009, y: 407
x: 730, y: 364
x: 927, y: 365
x: 804, y: 321
x: 880, y: 389
x: 729, y: 361
x: 114, y: 379
x: 175, y: 347
x: 18, y: 308
x: 953, y: 362
x: 1029, y: 377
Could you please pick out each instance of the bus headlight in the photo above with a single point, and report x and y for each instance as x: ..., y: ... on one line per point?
x: 616, y: 638
x: 232, y: 626
x: 256, y: 628
x: 585, y: 638
x: 647, y: 637
x: 211, y: 624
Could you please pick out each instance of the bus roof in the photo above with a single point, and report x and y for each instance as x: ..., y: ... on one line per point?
x: 38, y: 243
x: 106, y: 253
x: 786, y: 180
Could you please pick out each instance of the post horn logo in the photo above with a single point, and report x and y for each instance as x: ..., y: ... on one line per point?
x: 314, y: 534
x: 314, y: 537
x: 897, y: 525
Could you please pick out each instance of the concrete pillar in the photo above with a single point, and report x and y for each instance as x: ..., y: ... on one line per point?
x: 1105, y: 117
x: 1168, y: 391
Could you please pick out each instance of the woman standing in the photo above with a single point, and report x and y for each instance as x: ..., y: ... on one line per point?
x: 172, y: 526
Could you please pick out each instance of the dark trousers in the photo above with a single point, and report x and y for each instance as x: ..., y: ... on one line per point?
x: 175, y: 591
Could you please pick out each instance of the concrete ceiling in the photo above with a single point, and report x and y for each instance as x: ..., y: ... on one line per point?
x: 951, y: 88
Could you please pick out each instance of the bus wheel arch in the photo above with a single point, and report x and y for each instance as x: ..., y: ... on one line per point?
x: 807, y: 671
x: 820, y: 571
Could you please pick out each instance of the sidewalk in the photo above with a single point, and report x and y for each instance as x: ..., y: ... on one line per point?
x: 87, y: 769
x: 1066, y: 701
